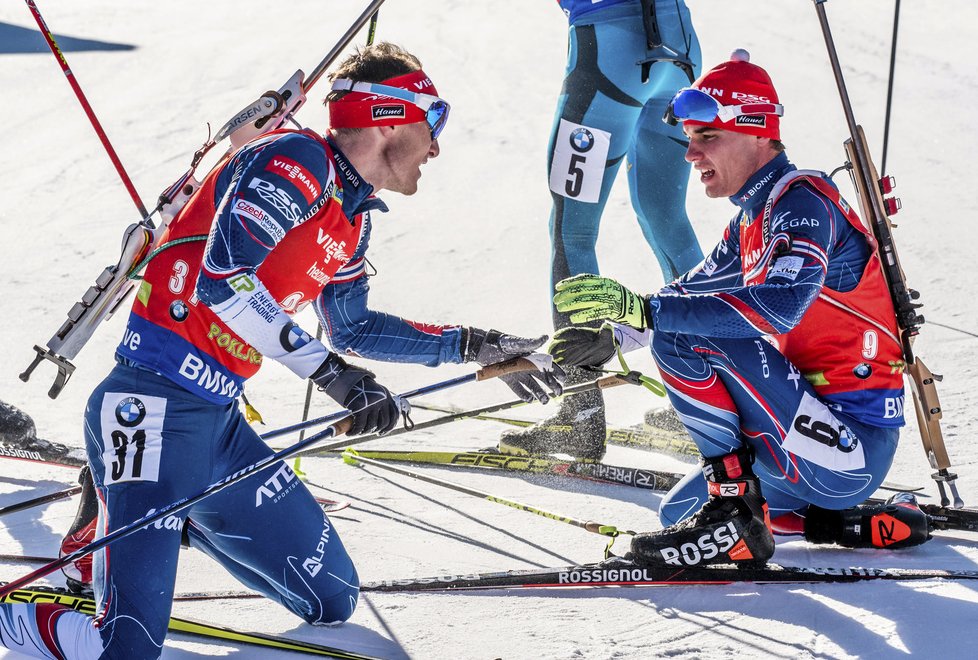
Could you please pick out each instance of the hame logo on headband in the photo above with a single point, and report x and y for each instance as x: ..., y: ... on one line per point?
x: 751, y: 120
x: 378, y: 112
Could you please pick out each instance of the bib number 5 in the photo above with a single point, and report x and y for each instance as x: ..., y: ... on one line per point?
x: 580, y: 154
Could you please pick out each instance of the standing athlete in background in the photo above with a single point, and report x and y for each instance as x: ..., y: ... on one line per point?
x: 626, y: 59
x: 287, y: 220
x: 780, y: 352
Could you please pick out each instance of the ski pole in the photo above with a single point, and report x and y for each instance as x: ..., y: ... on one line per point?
x: 589, y: 525
x: 296, y: 465
x: 72, y: 80
x: 513, y: 365
x: 889, y: 84
x: 600, y: 383
x: 340, y: 427
x: 38, y: 501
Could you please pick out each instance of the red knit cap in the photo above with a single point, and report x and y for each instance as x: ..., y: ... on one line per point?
x: 737, y: 82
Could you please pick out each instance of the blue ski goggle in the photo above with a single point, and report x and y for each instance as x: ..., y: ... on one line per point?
x: 690, y: 103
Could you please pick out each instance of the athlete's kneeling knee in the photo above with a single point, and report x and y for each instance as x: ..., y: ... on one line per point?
x: 334, y: 610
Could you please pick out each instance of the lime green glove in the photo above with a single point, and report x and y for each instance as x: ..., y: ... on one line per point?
x: 595, y: 298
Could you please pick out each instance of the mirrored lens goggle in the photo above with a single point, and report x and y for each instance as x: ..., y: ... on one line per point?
x: 437, y: 116
x: 689, y: 103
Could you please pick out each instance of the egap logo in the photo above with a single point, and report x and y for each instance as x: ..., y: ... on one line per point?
x: 387, y: 111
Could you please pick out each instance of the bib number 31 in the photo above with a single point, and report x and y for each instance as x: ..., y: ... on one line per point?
x: 132, y: 433
x: 580, y: 154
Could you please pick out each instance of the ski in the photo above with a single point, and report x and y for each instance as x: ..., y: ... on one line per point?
x: 42, y: 451
x: 642, y: 436
x: 615, y: 474
x: 187, y: 626
x: 618, y: 572
x: 945, y: 518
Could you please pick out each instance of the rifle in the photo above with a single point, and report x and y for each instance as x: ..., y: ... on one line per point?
x: 114, y: 284
x: 876, y: 209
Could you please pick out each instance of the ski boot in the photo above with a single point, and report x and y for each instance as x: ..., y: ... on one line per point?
x: 896, y: 523
x: 733, y: 526
x: 578, y: 429
x: 78, y: 574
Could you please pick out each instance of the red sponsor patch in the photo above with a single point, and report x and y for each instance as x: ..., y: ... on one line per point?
x: 297, y: 174
x: 887, y: 530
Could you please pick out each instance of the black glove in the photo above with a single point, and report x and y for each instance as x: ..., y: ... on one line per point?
x: 583, y: 347
x: 490, y: 347
x: 374, y: 408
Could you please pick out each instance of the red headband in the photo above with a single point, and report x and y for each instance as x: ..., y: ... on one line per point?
x: 360, y: 110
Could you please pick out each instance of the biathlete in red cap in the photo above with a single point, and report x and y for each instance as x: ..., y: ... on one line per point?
x: 779, y: 351
x: 287, y: 219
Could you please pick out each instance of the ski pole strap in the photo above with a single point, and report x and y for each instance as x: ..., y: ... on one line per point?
x: 632, y: 377
x: 134, y: 273
x: 610, y: 531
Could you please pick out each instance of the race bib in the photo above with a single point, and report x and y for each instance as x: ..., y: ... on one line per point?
x: 132, y: 436
x: 580, y: 154
x: 817, y: 436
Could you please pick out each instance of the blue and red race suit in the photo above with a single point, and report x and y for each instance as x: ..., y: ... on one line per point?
x: 282, y: 222
x: 785, y: 338
x: 288, y: 222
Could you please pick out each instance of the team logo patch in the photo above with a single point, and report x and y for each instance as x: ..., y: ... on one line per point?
x: 130, y: 412
x: 396, y: 111
x: 307, y: 184
x: 581, y: 139
x: 179, y: 311
x: 293, y: 337
x: 751, y: 120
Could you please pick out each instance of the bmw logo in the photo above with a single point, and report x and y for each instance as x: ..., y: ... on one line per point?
x: 863, y: 371
x: 581, y: 139
x: 293, y: 337
x: 130, y: 411
x: 847, y: 441
x: 179, y: 311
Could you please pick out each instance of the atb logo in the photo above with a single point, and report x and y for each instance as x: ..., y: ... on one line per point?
x: 581, y: 140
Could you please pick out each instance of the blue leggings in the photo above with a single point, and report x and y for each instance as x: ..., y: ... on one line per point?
x: 151, y: 443
x: 732, y: 392
x: 603, y: 91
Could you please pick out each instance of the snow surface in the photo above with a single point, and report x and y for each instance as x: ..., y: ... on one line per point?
x: 472, y: 247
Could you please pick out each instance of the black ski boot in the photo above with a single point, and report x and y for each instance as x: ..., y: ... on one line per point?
x: 578, y: 429
x: 78, y: 574
x: 732, y: 527
x: 896, y: 523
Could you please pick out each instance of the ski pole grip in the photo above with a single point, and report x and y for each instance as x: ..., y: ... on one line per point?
x: 343, y: 426
x: 613, y: 380
x: 513, y: 366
